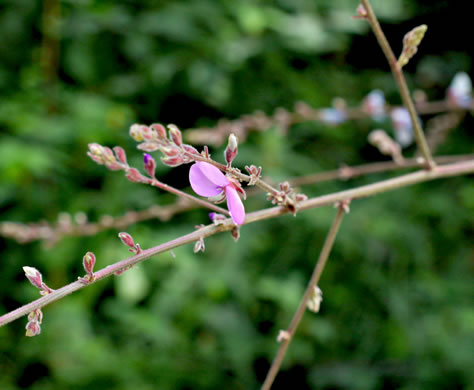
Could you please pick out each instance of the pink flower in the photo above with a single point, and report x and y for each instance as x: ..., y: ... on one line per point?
x: 207, y: 180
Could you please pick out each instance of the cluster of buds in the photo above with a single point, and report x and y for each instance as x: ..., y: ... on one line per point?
x: 155, y: 137
x: 286, y: 197
x: 231, y: 150
x: 402, y: 125
x: 117, y: 160
x: 36, y: 279
x: 460, y: 90
x: 374, y: 104
x: 254, y: 172
x: 33, y: 327
x: 114, y: 160
x: 386, y: 145
x: 35, y: 318
x: 411, y: 40
x: 127, y: 240
x: 314, y: 302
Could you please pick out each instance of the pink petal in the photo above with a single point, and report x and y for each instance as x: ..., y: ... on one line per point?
x: 235, y: 205
x: 201, y: 184
x: 212, y: 173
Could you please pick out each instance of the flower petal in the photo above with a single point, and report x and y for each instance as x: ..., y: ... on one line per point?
x: 235, y: 205
x: 213, y: 173
x: 201, y: 184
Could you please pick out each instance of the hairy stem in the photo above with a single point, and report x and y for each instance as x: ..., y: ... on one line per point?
x: 318, y: 270
x: 459, y: 168
x: 402, y: 85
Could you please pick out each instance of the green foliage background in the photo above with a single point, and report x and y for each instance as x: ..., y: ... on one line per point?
x: 397, y: 310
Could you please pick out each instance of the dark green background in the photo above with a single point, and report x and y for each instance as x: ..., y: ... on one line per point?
x: 397, y: 310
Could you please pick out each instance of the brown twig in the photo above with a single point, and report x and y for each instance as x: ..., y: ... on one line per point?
x: 456, y: 169
x: 318, y: 270
x: 402, y: 85
x: 53, y: 233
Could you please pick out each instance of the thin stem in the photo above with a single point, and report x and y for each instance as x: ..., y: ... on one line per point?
x: 201, y: 202
x: 318, y: 270
x: 459, y: 168
x: 402, y: 85
x: 24, y: 233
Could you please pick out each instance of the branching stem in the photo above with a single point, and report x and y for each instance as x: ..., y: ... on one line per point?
x: 401, y: 82
x: 459, y: 168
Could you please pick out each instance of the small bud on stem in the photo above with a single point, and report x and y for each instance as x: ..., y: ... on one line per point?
x: 231, y: 149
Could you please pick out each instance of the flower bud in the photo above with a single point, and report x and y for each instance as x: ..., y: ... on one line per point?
x: 134, y: 176
x: 175, y: 135
x: 150, y: 165
x: 191, y: 149
x: 199, y: 246
x: 411, y: 40
x: 33, y: 328
x: 126, y: 239
x: 136, y: 132
x: 34, y: 276
x: 147, y: 133
x: 160, y: 130
x: 170, y: 151
x: 172, y: 161
x: 231, y: 149
x: 235, y: 233
x: 95, y: 149
x: 217, y: 218
x: 120, y: 154
x: 314, y: 302
x: 88, y: 262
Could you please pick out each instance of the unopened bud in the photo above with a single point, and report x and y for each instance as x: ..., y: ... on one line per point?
x: 172, y: 161
x: 95, y: 149
x: 120, y: 154
x: 160, y: 130
x: 88, y: 262
x: 411, y: 40
x: 136, y: 132
x: 361, y: 11
x: 33, y: 328
x: 134, y: 176
x: 199, y: 246
x: 301, y: 197
x: 231, y: 149
x: 175, y: 135
x: 127, y: 239
x: 217, y: 218
x: 191, y: 149
x: 314, y: 302
x: 34, y: 276
x: 285, y: 187
x: 147, y: 133
x: 150, y: 165
x: 283, y: 335
x: 170, y: 151
x: 235, y: 233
